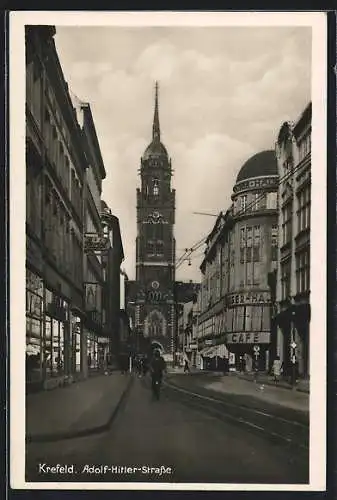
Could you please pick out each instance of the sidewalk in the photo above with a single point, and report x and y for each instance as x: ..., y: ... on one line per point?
x: 263, y: 378
x: 81, y: 408
x: 275, y: 395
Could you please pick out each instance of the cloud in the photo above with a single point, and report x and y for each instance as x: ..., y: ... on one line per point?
x: 223, y: 94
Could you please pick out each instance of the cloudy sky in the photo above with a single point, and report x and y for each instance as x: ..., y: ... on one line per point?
x: 224, y: 92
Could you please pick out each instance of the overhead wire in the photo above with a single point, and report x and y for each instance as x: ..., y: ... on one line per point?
x: 196, y: 246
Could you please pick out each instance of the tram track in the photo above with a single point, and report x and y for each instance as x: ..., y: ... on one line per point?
x: 286, y: 430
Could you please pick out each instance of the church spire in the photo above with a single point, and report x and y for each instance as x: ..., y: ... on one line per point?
x: 155, y: 126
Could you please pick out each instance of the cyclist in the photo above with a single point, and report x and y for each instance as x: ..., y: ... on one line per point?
x: 157, y: 367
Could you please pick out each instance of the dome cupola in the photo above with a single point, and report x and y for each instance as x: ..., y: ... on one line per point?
x: 260, y: 165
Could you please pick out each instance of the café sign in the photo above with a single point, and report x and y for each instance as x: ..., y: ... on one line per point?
x: 248, y: 298
x: 248, y: 338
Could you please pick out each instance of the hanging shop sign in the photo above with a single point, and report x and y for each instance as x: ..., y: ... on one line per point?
x: 248, y: 298
x: 248, y: 338
x: 94, y: 242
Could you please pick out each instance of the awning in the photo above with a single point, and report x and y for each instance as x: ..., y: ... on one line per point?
x: 209, y: 352
x: 215, y: 350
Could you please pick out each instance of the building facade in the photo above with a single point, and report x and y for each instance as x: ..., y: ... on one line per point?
x: 55, y: 176
x: 293, y: 151
x: 73, y: 244
x: 254, y: 255
x: 155, y: 246
x: 93, y: 274
x: 211, y: 323
x: 241, y: 251
x: 111, y: 262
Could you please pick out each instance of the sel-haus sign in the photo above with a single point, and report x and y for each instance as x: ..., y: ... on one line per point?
x: 248, y: 298
x: 248, y: 338
x: 256, y: 183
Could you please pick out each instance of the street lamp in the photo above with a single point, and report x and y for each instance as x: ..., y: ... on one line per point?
x: 293, y: 346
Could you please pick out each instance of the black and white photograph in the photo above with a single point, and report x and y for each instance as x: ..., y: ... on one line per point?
x: 168, y: 250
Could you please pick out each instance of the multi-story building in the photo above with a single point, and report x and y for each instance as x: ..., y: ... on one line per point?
x: 55, y: 176
x: 235, y: 316
x: 184, y: 292
x: 73, y: 244
x: 155, y: 246
x: 111, y: 262
x: 211, y: 326
x: 95, y: 313
x: 254, y: 255
x: 293, y: 151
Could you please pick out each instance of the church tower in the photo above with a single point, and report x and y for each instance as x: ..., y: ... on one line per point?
x: 155, y: 245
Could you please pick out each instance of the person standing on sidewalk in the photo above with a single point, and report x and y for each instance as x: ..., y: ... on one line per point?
x: 277, y: 369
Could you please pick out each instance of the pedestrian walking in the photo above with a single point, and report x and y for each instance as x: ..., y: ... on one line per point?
x: 186, y: 366
x: 277, y: 369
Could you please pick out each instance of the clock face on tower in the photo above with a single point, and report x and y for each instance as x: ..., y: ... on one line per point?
x: 155, y: 285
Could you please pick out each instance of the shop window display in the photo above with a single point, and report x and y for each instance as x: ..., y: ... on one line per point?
x: 92, y: 354
x: 34, y: 326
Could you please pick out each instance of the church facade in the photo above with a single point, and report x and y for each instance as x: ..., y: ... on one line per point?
x: 153, y: 301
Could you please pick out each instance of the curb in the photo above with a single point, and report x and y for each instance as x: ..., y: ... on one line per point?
x: 289, y: 388
x: 60, y: 436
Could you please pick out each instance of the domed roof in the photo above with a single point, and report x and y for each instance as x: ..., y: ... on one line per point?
x: 155, y: 149
x: 261, y: 164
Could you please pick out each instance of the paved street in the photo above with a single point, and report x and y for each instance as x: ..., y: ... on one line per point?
x: 209, y: 436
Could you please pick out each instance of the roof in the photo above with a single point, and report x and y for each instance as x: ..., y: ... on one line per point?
x: 154, y: 150
x: 259, y: 165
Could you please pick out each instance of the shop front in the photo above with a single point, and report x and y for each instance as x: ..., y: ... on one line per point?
x: 76, y: 333
x: 213, y: 357
x: 293, y: 328
x: 251, y: 350
x: 34, y: 326
x: 57, y: 353
x: 92, y: 350
x: 53, y: 336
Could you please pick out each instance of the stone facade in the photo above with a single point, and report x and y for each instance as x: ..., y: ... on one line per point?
x: 241, y: 251
x: 293, y: 151
x: 154, y: 310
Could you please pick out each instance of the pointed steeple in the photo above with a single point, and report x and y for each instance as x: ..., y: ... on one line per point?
x: 156, y: 126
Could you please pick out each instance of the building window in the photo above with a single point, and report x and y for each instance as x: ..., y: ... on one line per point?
x: 256, y: 204
x: 259, y: 201
x: 272, y: 201
x: 256, y: 248
x: 274, y: 246
x: 304, y: 146
x: 248, y: 319
x: 150, y: 248
x: 242, y: 244
x: 303, y: 271
x: 286, y: 224
x: 256, y: 318
x: 249, y: 244
x: 243, y: 202
x: 303, y: 212
x: 285, y: 279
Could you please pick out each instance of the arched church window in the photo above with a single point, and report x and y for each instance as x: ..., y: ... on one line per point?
x: 155, y: 187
